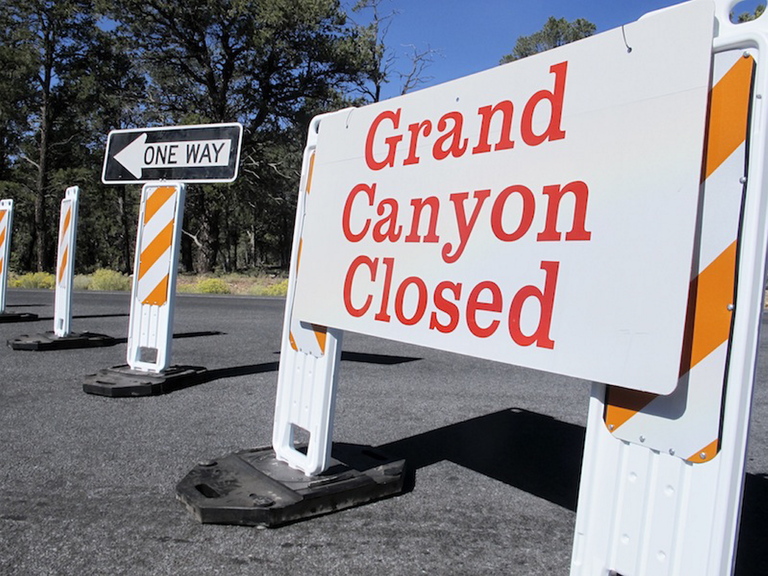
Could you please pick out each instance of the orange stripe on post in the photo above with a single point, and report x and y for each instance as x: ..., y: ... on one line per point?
x: 705, y: 454
x: 712, y: 318
x: 63, y: 264
x: 321, y: 334
x: 155, y: 249
x: 2, y: 215
x: 156, y: 200
x: 311, y: 170
x: 65, y: 227
x: 2, y: 237
x: 159, y: 295
x: 622, y: 403
x: 298, y: 256
x: 728, y: 114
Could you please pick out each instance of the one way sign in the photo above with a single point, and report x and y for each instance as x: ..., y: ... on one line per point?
x: 205, y: 153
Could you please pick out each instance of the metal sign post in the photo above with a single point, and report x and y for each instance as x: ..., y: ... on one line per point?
x: 164, y: 159
x: 62, y: 336
x: 6, y: 228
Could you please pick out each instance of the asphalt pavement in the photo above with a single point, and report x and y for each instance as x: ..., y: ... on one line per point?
x: 88, y: 482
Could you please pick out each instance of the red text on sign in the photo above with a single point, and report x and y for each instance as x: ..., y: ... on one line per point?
x: 447, y: 134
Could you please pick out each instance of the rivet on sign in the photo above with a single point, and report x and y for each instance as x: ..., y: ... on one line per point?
x: 745, y: 55
x: 730, y: 307
x: 611, y: 426
x: 671, y: 451
x: 642, y: 438
x: 703, y: 455
x: 743, y: 180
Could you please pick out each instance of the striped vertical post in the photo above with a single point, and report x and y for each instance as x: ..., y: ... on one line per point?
x: 6, y: 221
x: 65, y: 265
x: 694, y: 434
x: 662, y: 475
x: 154, y: 276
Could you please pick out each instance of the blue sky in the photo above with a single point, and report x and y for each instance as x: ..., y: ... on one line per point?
x: 473, y: 35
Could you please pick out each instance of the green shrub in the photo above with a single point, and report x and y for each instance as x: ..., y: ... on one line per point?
x: 81, y: 282
x: 270, y: 289
x: 42, y: 280
x: 186, y: 288
x: 277, y: 289
x: 104, y: 279
x: 213, y: 286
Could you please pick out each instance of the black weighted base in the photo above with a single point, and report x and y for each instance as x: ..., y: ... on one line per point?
x: 253, y: 488
x: 49, y: 341
x: 17, y: 317
x: 122, y: 381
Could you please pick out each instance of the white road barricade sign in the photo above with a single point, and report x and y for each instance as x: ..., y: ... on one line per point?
x: 541, y: 213
x: 600, y: 211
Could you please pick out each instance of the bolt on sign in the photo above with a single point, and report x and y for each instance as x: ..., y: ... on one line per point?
x: 541, y: 213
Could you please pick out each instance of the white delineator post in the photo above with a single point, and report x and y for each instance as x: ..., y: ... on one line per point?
x: 65, y: 266
x: 6, y: 221
x: 154, y: 276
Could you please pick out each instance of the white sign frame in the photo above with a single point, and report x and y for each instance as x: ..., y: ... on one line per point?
x: 592, y: 295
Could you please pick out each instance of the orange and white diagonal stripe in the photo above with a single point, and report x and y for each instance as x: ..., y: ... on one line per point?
x: 155, y: 250
x: 3, y: 235
x: 687, y: 422
x: 307, y: 338
x: 64, y: 248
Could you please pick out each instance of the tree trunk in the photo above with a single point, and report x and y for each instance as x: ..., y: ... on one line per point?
x: 209, y: 239
x: 41, y: 232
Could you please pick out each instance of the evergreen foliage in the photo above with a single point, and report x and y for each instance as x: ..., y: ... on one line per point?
x: 556, y: 32
x: 72, y: 70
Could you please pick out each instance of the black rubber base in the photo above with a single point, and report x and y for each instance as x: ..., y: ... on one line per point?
x: 253, y: 488
x: 49, y: 341
x: 17, y: 317
x: 122, y: 381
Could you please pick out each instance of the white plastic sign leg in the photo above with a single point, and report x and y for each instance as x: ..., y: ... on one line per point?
x: 154, y: 276
x: 6, y: 222
x: 65, y: 265
x: 662, y: 477
x: 309, y: 360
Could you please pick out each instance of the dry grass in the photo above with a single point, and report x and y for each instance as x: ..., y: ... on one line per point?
x: 262, y: 284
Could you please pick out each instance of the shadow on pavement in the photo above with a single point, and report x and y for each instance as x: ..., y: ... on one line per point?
x: 753, y: 535
x: 245, y: 370
x: 530, y: 451
x: 85, y: 316
x: 542, y: 455
x: 368, y: 358
x: 179, y: 335
x: 248, y: 369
